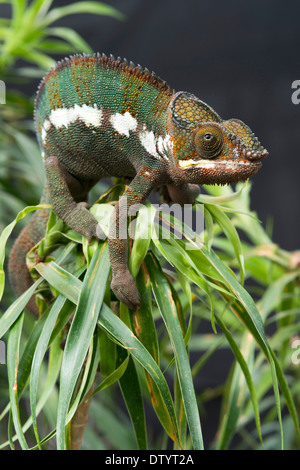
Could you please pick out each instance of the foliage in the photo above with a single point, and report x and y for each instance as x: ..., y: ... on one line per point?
x: 149, y: 361
x: 148, y: 351
x: 30, y: 35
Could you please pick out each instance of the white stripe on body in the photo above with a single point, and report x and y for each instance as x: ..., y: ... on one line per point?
x: 62, y: 117
x: 159, y: 147
x: 123, y: 123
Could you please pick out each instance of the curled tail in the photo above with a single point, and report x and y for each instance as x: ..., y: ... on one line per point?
x: 18, y: 272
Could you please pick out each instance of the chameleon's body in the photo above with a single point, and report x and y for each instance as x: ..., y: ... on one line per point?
x: 97, y: 116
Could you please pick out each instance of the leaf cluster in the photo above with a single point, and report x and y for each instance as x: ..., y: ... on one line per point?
x: 184, y: 281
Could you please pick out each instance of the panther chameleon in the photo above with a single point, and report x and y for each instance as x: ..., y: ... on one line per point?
x: 97, y: 116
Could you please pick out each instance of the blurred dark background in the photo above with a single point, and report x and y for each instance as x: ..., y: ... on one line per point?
x: 239, y: 57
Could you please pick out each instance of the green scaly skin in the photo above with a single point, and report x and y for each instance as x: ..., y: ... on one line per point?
x: 96, y: 117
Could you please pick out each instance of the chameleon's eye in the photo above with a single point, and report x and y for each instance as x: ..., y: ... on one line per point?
x: 208, y: 141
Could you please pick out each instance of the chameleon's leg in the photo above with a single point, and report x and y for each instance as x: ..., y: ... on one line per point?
x: 123, y: 284
x: 184, y: 193
x: 74, y: 214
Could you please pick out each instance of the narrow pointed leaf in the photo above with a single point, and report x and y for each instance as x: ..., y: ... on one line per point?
x: 108, y: 320
x: 81, y: 332
x: 13, y: 346
x: 16, y: 308
x: 244, y: 367
x: 39, y: 354
x: 167, y: 309
x: 97, y: 8
x: 224, y: 222
x: 130, y: 387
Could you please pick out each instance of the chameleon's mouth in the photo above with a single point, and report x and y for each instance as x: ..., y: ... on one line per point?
x: 214, y: 164
x: 245, y: 158
x: 221, y: 171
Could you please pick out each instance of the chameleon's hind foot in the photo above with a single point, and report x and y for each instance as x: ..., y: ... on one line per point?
x: 164, y: 194
x: 184, y: 193
x: 125, y: 290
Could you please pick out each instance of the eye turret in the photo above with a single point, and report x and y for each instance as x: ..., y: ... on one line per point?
x: 208, y: 141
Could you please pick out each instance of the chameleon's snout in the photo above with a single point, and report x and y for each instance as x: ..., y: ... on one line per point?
x: 245, y: 144
x: 254, y: 155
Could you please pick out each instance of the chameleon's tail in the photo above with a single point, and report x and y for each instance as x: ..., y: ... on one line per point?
x: 19, y: 275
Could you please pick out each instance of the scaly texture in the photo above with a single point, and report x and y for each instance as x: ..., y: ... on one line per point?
x: 98, y: 116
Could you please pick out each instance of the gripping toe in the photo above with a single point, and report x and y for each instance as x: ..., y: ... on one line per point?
x: 125, y: 290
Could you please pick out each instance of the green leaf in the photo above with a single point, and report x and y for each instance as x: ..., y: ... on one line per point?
x: 96, y: 8
x: 19, y: 7
x: 249, y: 313
x: 217, y: 200
x: 113, y: 377
x: 273, y: 294
x: 142, y: 237
x: 107, y: 346
x: 168, y: 312
x: 38, y: 8
x: 16, y: 308
x: 13, y: 345
x: 39, y: 354
x: 80, y: 334
x: 107, y: 351
x: 32, y: 154
x: 130, y: 387
x: 87, y: 378
x: 73, y: 38
x: 231, y: 233
x: 54, y: 362
x: 60, y: 278
x: 142, y: 323
x: 42, y: 60
x: 209, y: 224
x: 278, y: 374
x: 55, y: 46
x: 244, y: 367
x: 142, y: 319
x: 108, y: 320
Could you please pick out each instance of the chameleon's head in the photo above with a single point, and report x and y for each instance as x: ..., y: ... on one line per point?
x: 209, y: 150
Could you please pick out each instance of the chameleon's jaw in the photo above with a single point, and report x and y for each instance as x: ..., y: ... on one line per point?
x: 223, y: 170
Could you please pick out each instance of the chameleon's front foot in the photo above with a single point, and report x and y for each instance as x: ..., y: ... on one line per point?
x: 124, y: 288
x: 81, y: 220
